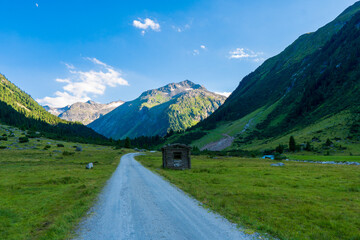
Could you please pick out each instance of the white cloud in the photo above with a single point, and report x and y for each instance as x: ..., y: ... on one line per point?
x: 226, y: 94
x: 146, y: 24
x: 82, y: 85
x: 36, y: 4
x: 243, y: 53
x: 203, y: 47
x: 62, y: 99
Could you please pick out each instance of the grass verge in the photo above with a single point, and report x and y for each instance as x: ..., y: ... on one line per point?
x: 45, y: 193
x: 298, y: 201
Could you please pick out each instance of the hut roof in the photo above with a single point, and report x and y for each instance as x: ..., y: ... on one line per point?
x: 176, y: 145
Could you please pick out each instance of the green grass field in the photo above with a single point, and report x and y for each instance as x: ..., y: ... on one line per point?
x: 45, y: 193
x: 298, y: 201
x: 312, y: 157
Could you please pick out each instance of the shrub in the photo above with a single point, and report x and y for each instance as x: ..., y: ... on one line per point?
x: 278, y: 156
x: 66, y: 153
x: 23, y: 139
x: 308, y: 147
x: 3, y: 147
x: 60, y: 145
x: 32, y: 135
x: 47, y: 147
x: 3, y: 138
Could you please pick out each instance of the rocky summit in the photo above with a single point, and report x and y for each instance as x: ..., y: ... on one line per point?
x: 174, y: 107
x: 85, y: 112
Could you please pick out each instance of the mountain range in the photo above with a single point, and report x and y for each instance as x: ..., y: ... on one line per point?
x: 313, y: 82
x: 85, y: 113
x: 174, y: 107
x: 310, y: 90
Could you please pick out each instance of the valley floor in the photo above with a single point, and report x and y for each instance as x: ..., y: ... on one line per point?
x: 138, y: 204
x: 297, y: 201
x: 44, y: 187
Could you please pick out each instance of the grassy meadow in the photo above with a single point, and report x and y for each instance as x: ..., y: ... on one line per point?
x: 45, y: 188
x: 320, y: 158
x: 298, y: 201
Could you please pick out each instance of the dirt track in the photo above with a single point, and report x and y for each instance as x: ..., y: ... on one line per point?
x: 138, y: 204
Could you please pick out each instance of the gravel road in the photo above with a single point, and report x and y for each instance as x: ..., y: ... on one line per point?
x: 138, y: 204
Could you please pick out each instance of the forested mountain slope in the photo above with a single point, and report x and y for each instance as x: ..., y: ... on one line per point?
x: 19, y: 109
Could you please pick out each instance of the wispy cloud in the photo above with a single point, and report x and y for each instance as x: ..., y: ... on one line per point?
x: 80, y: 86
x: 146, y: 24
x: 36, y: 4
x: 69, y: 66
x: 196, y: 52
x: 244, y: 53
x: 181, y: 28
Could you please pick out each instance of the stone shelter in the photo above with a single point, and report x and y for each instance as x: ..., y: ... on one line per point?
x: 176, y: 156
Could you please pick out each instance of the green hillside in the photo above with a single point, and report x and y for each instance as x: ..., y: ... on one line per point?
x: 314, y: 79
x: 19, y: 109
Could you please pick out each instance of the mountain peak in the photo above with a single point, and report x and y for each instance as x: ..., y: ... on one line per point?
x: 175, y: 106
x: 173, y: 89
x: 84, y: 112
x: 90, y: 102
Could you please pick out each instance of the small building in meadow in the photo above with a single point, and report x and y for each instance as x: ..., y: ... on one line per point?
x: 176, y: 156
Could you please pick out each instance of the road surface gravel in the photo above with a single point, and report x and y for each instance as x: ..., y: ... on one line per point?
x: 138, y: 204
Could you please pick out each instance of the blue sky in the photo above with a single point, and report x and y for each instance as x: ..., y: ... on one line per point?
x: 64, y: 51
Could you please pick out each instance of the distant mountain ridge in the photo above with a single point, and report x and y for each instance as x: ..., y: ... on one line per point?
x: 56, y: 111
x: 85, y: 112
x: 176, y: 106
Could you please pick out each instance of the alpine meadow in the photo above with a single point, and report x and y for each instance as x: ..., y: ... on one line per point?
x: 180, y: 120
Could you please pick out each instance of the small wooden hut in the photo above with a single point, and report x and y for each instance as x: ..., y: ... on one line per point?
x: 176, y: 156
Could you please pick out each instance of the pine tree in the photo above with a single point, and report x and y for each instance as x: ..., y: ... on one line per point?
x: 127, y: 143
x: 292, y: 144
x: 279, y: 149
x: 328, y: 142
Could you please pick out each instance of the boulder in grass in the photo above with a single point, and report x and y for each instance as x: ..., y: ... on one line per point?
x: 89, y: 165
x: 277, y: 164
x: 78, y: 149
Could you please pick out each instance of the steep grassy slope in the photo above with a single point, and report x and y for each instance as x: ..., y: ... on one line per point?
x: 19, y: 109
x: 175, y: 107
x: 314, y: 78
x: 273, y: 79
